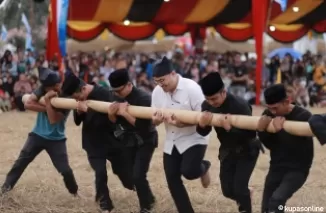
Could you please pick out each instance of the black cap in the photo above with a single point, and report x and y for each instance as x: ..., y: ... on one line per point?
x: 71, y: 84
x: 211, y: 84
x: 162, y: 68
x: 119, y: 78
x: 48, y: 77
x: 275, y: 94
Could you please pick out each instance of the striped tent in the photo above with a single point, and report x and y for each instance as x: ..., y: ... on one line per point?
x: 235, y: 20
x: 231, y: 18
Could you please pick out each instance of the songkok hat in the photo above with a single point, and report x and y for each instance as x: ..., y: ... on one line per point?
x: 275, y: 94
x: 211, y: 84
x: 48, y: 77
x: 119, y: 78
x: 162, y: 68
x: 71, y: 84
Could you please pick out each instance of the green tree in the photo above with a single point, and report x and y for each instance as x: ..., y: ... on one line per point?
x: 12, y: 14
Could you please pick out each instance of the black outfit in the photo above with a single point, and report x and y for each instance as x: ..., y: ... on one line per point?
x: 317, y: 124
x: 141, y: 141
x: 189, y: 164
x: 238, y: 152
x: 35, y: 144
x: 100, y: 145
x: 313, y: 92
x: 273, y: 67
x: 291, y: 159
x: 239, y: 71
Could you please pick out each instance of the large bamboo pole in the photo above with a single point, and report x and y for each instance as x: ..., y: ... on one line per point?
x: 189, y: 117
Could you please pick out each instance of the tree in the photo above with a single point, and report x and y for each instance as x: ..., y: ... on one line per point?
x: 38, y: 12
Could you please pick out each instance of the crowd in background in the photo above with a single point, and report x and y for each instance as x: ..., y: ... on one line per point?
x: 304, y: 78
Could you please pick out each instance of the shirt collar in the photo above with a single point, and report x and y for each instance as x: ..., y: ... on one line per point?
x: 181, y: 83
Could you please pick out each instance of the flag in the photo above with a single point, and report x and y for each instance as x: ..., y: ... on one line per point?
x: 28, y: 42
x: 282, y: 3
x: 57, y: 29
x: 4, y: 33
x: 26, y: 24
x: 62, y: 17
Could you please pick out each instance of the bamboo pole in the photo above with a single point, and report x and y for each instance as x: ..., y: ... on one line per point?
x: 190, y: 117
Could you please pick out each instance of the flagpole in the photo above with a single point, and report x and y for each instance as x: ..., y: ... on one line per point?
x: 31, y: 16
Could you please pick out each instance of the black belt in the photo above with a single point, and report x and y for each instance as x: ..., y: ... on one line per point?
x: 238, y: 150
x: 130, y: 138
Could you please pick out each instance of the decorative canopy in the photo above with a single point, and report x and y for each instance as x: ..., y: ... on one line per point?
x: 231, y: 18
x: 235, y: 20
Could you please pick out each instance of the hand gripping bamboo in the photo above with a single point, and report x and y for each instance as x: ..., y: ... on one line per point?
x: 189, y: 117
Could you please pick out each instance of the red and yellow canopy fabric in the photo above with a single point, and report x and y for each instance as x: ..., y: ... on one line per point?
x: 235, y: 20
x: 232, y: 19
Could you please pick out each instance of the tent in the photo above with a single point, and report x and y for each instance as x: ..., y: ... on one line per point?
x: 240, y: 20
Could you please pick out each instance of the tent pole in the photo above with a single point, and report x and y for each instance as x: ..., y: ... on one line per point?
x: 259, y: 8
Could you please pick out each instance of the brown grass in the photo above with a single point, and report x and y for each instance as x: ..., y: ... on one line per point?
x: 41, y: 190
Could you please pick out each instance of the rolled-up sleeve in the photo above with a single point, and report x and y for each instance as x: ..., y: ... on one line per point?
x: 143, y: 124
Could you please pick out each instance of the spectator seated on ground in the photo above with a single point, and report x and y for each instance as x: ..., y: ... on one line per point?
x: 21, y: 87
x: 314, y: 94
x: 102, y: 82
x: 318, y: 75
x: 5, y: 104
x: 302, y: 95
x: 144, y: 83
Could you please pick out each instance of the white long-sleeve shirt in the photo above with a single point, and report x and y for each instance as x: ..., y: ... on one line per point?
x: 187, y: 96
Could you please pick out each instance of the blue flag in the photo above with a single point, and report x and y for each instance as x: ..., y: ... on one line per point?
x: 28, y: 42
x: 63, y: 6
x: 4, y: 33
x: 26, y: 24
x: 282, y: 3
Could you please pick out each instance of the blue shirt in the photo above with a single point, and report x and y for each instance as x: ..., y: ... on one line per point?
x: 43, y: 128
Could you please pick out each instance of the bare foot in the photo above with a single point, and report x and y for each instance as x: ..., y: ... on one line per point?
x: 205, y: 179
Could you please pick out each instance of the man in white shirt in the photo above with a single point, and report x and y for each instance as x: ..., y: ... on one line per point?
x: 184, y: 148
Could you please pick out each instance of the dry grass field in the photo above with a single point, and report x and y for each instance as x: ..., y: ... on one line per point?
x: 41, y: 189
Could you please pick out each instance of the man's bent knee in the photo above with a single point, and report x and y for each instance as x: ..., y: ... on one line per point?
x: 191, y: 173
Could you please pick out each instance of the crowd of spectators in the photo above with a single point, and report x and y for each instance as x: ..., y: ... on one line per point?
x: 304, y: 78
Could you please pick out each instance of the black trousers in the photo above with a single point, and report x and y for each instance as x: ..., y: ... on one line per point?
x: 119, y: 168
x: 280, y: 185
x: 57, y: 151
x: 139, y: 163
x: 235, y: 173
x: 189, y: 164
